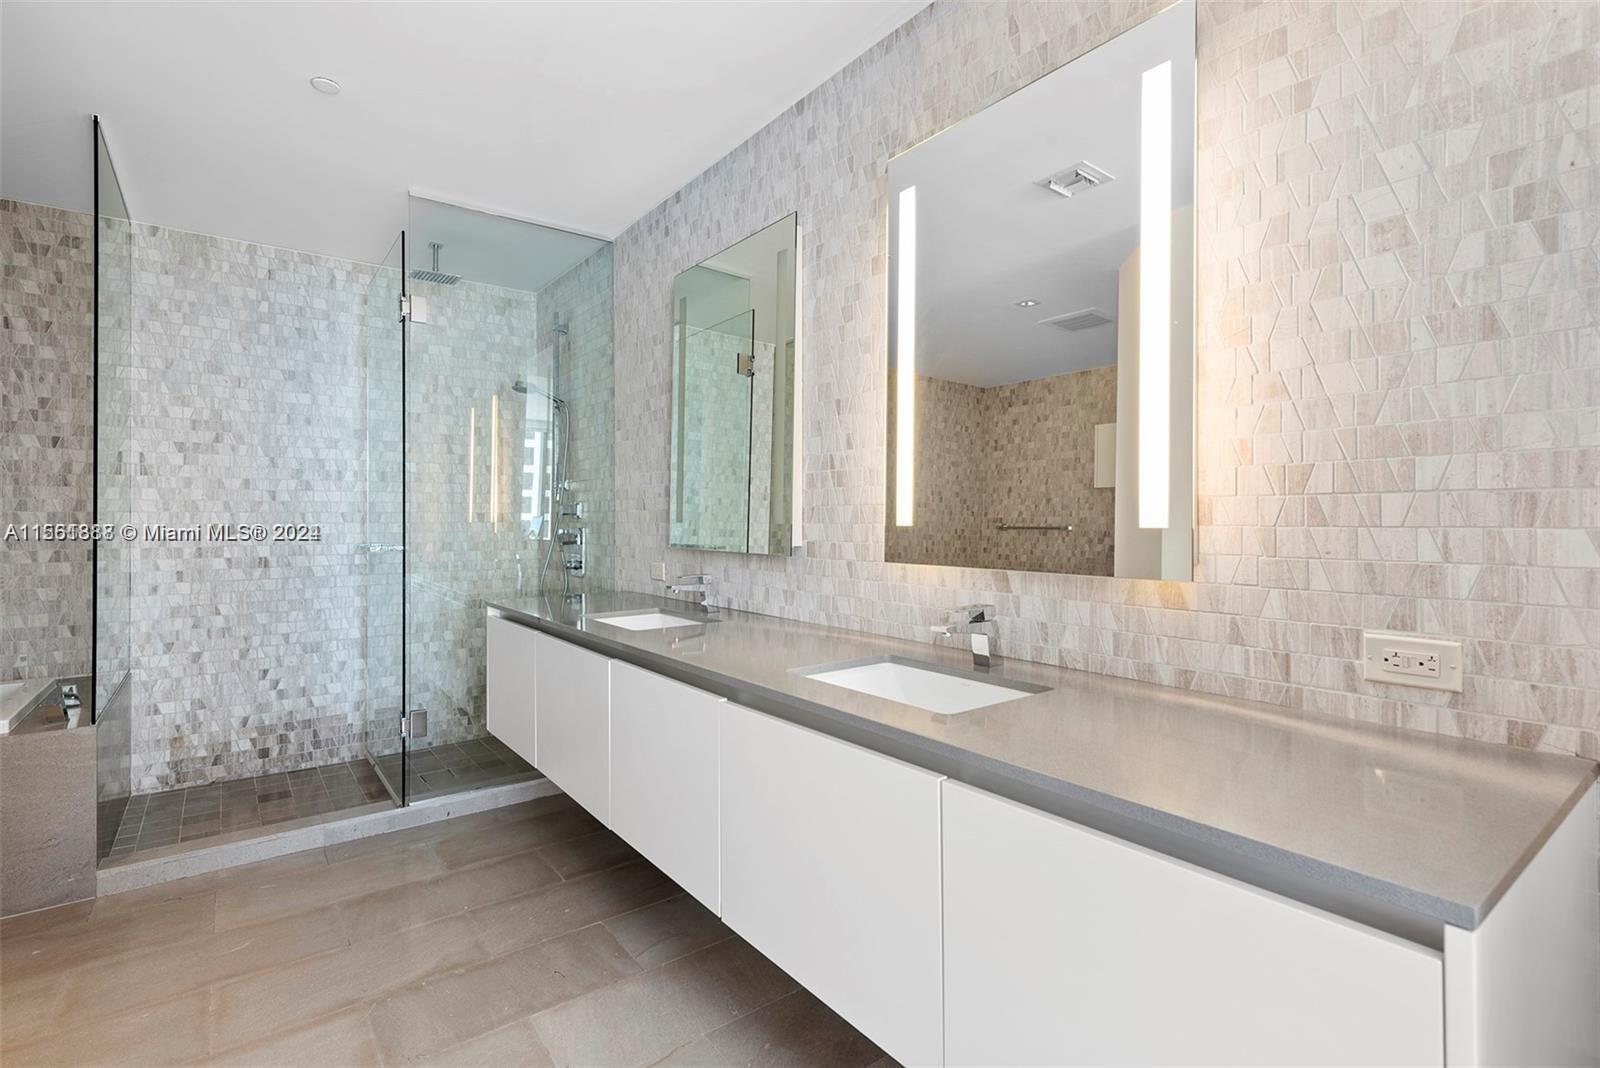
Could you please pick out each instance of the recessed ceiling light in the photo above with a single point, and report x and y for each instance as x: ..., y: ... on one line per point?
x: 325, y: 85
x: 1027, y: 304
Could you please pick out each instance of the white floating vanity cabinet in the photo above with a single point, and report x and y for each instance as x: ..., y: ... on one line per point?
x: 952, y: 926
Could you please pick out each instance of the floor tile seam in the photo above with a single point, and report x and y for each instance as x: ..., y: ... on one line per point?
x: 100, y: 960
x: 56, y: 1034
x: 365, y: 1004
x: 601, y: 923
x: 208, y: 984
x: 533, y: 1017
x: 796, y: 992
x: 444, y: 1054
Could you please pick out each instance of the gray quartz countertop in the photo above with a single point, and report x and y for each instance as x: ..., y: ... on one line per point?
x: 1399, y: 829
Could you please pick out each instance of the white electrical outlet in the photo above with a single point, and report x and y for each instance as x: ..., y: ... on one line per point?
x: 658, y: 571
x: 1407, y: 660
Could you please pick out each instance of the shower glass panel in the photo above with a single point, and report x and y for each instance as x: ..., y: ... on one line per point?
x: 383, y: 352
x: 508, y: 353
x: 111, y: 697
x: 712, y: 429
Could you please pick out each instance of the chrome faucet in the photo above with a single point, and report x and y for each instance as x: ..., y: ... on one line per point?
x: 977, y: 621
x: 697, y: 584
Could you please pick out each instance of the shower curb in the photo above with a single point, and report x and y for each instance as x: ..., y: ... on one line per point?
x: 136, y: 874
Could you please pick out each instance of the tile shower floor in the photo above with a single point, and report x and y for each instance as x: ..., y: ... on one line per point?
x: 529, y: 935
x: 452, y: 766
x: 155, y: 821
x: 152, y: 821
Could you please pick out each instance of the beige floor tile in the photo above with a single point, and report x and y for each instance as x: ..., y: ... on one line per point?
x: 796, y: 1031
x: 342, y: 1040
x: 513, y: 1046
x: 555, y: 910
x: 109, y: 935
x: 238, y: 906
x: 172, y: 1032
x: 52, y: 919
x: 645, y: 1017
x: 164, y: 972
x: 445, y: 1010
x: 667, y: 930
x: 468, y: 940
x: 411, y: 836
x: 291, y: 865
x: 591, y: 853
x: 518, y: 836
x: 254, y: 1007
x: 30, y: 1006
x: 377, y: 915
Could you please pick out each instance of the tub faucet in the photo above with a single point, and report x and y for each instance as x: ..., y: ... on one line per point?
x: 976, y: 621
x: 696, y: 584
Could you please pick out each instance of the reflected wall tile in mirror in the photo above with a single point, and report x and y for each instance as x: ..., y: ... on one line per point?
x: 733, y: 409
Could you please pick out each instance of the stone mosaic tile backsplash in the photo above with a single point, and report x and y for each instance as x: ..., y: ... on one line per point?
x: 1398, y: 358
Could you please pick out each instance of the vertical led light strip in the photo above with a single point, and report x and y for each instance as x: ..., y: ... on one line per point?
x: 905, y: 340
x: 1155, y: 295
x: 472, y: 461
x: 494, y: 462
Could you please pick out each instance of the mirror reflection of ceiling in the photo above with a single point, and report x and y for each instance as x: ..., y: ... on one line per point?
x: 989, y: 235
x: 756, y: 259
x: 492, y: 249
x: 711, y: 297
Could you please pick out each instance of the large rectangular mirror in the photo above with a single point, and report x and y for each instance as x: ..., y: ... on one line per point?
x: 733, y: 397
x: 1041, y: 306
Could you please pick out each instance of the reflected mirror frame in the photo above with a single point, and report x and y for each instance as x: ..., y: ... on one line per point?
x: 1179, y: 555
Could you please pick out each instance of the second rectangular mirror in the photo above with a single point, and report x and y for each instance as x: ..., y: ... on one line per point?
x: 1041, y: 301
x: 733, y: 397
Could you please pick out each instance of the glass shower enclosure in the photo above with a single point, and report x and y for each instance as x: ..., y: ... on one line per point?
x: 110, y: 699
x: 502, y: 403
x: 449, y: 402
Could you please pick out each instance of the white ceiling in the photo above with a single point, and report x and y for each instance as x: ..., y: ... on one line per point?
x: 580, y: 115
x: 988, y: 235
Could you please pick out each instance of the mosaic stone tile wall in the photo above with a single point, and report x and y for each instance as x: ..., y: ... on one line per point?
x: 46, y: 422
x: 249, y: 657
x: 1398, y: 355
x: 581, y: 301
x: 1021, y: 454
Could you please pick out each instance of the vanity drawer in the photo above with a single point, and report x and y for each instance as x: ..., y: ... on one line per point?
x: 572, y: 732
x: 510, y: 698
x: 664, y: 777
x: 830, y: 867
x: 1064, y: 946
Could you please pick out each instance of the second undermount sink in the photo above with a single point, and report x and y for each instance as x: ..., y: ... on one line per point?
x: 926, y: 686
x: 650, y: 619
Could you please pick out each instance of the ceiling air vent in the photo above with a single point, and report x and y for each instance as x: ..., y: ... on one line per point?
x: 1075, y: 179
x: 1083, y: 319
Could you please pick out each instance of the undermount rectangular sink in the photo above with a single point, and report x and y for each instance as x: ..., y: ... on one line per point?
x: 649, y: 619
x: 926, y: 686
